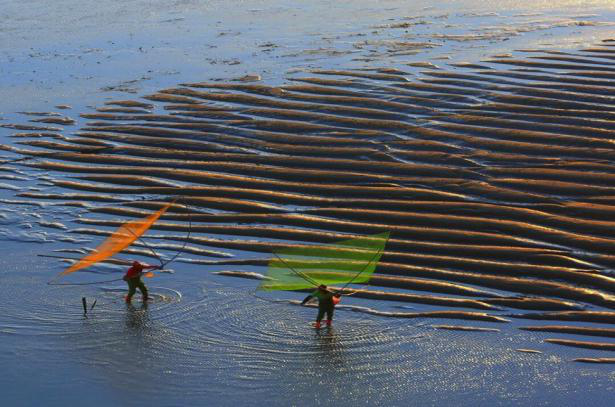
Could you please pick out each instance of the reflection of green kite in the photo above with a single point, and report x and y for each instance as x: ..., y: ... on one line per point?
x: 345, y: 262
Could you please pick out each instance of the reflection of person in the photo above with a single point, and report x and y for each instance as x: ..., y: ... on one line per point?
x: 133, y: 278
x: 137, y: 319
x: 326, y: 303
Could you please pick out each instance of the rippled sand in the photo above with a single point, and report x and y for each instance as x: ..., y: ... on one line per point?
x: 495, y: 180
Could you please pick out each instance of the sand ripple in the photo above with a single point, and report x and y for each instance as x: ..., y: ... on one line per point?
x: 495, y: 180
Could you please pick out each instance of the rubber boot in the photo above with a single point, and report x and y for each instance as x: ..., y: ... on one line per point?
x: 329, y: 322
x: 317, y: 324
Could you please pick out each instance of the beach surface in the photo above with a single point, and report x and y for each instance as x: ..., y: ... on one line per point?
x: 480, y: 137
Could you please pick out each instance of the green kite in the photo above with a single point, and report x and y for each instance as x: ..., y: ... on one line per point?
x: 341, y: 263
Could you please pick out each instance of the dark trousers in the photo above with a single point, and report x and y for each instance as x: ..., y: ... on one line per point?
x: 325, y: 309
x: 135, y: 283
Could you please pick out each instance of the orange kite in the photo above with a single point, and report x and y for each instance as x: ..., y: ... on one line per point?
x: 123, y: 237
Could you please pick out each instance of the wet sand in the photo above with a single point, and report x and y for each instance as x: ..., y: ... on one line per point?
x: 494, y: 177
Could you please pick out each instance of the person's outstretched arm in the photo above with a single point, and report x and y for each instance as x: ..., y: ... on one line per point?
x: 309, y: 297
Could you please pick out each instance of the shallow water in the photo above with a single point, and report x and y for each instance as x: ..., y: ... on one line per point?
x: 219, y: 343
x: 466, y: 181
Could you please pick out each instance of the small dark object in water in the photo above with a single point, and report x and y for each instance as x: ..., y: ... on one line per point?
x: 92, y: 307
x: 85, y: 306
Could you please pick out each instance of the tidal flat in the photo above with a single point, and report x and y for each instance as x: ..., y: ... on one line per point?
x: 480, y: 136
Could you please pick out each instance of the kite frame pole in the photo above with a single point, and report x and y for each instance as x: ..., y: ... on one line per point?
x: 74, y: 258
x: 186, y: 239
x: 138, y: 238
x: 52, y: 282
x: 163, y: 263
x: 148, y: 248
x: 360, y: 272
x: 306, y: 278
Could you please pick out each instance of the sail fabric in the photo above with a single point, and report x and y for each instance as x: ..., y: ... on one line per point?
x: 123, y: 237
x: 340, y: 263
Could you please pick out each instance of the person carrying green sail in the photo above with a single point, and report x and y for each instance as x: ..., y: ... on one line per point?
x: 337, y: 264
x: 327, y: 301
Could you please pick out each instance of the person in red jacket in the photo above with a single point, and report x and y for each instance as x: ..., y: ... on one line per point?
x: 133, y: 278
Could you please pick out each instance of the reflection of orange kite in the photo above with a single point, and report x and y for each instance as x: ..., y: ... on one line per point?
x: 123, y: 237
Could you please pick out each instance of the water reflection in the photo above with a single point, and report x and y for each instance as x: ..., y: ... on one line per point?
x: 330, y: 349
x: 137, y: 319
